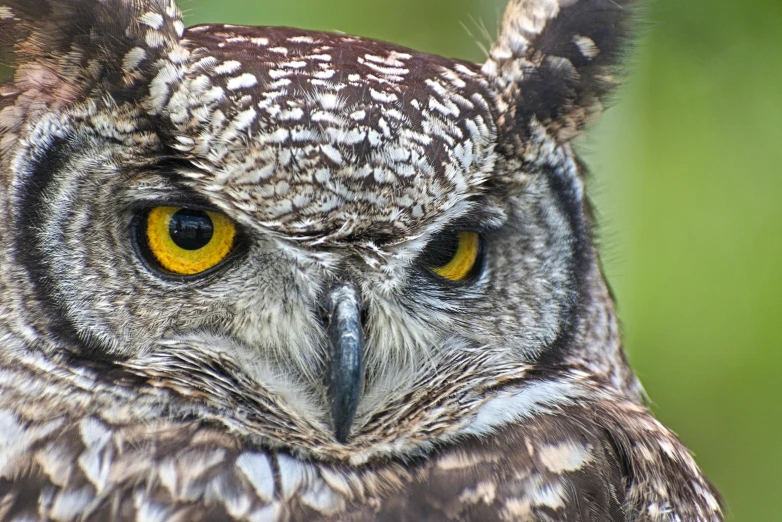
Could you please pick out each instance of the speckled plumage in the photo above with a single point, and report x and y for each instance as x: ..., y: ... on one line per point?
x: 128, y: 394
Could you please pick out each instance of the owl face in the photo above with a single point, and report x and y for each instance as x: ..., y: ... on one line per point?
x: 355, y: 239
x: 275, y: 175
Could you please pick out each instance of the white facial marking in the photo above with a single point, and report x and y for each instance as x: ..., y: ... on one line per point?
x: 153, y: 20
x: 229, y: 67
x: 512, y: 406
x: 133, y: 59
x: 293, y: 475
x: 258, y: 470
x: 244, y: 81
x: 587, y: 46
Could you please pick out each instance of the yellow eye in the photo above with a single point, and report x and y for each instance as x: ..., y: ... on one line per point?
x: 186, y: 241
x: 454, y: 255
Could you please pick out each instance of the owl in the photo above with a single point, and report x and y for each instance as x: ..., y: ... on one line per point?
x: 269, y: 274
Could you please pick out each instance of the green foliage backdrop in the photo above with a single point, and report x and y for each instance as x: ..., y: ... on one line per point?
x: 687, y: 180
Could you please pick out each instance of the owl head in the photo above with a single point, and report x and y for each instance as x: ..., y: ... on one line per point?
x: 324, y: 242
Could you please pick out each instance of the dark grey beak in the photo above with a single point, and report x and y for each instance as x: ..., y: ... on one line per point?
x: 346, y: 362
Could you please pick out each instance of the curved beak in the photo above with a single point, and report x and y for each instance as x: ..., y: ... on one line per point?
x: 346, y: 357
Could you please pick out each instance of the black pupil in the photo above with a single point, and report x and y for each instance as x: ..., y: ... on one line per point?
x: 442, y: 249
x: 191, y: 229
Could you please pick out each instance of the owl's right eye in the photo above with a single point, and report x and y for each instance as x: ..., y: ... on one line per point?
x: 186, y: 241
x: 455, y: 255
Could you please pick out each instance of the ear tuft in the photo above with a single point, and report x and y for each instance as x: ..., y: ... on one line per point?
x: 64, y: 48
x: 555, y: 63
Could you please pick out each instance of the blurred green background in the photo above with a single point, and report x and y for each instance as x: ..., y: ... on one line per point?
x: 688, y: 185
x: 687, y: 179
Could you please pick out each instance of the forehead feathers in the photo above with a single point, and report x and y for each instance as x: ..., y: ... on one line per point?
x: 316, y: 134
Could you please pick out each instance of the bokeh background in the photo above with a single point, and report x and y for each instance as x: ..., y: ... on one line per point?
x: 687, y: 180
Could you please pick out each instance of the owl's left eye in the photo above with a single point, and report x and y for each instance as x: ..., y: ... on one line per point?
x: 186, y: 241
x: 454, y: 255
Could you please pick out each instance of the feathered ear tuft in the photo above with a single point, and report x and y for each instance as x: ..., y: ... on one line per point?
x: 66, y: 47
x: 554, y: 65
